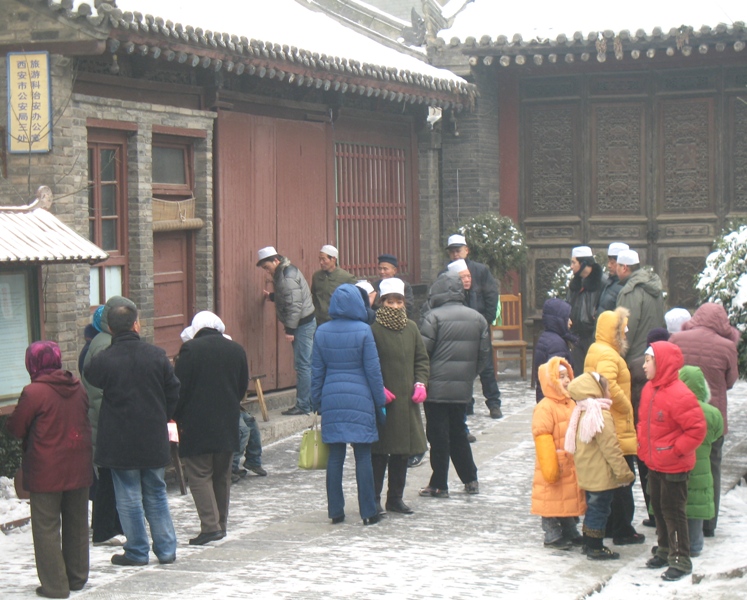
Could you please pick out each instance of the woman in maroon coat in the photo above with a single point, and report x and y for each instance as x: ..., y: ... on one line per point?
x: 51, y: 419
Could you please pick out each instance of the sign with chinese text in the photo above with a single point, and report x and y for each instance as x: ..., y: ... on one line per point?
x: 29, y: 102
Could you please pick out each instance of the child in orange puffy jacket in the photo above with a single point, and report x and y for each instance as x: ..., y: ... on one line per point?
x: 556, y: 496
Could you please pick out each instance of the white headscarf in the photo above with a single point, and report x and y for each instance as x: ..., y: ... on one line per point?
x: 202, y: 320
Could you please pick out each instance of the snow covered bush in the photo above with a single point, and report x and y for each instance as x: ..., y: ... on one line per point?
x: 495, y: 241
x: 560, y: 282
x: 724, y: 281
x: 10, y: 451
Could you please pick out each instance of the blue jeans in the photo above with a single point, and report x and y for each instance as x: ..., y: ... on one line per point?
x: 598, y: 509
x: 697, y: 539
x: 249, y: 440
x: 363, y: 475
x: 303, y: 342
x: 141, y: 495
x: 490, y: 386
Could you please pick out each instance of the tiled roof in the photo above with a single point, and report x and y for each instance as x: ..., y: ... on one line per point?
x: 33, y: 235
x: 147, y: 35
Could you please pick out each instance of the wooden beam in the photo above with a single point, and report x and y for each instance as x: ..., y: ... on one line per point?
x: 84, y: 48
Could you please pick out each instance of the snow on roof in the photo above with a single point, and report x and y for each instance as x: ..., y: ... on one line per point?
x: 284, y: 22
x: 546, y: 19
x: 33, y: 235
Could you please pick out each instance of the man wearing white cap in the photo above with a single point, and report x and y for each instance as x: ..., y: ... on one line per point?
x: 295, y: 310
x: 608, y: 298
x: 642, y: 295
x: 583, y: 296
x: 482, y: 295
x: 326, y: 280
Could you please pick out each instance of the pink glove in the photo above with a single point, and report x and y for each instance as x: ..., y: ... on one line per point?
x: 419, y: 393
x: 389, y: 396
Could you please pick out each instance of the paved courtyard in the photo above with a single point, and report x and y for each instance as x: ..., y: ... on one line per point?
x: 280, y: 543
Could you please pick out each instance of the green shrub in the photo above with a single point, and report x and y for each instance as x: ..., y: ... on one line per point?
x: 10, y: 451
x: 496, y: 241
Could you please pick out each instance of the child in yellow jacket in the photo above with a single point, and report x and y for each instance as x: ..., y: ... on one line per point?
x: 556, y: 496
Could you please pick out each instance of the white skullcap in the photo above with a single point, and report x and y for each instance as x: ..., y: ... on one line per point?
x: 266, y: 252
x: 365, y: 285
x: 392, y: 285
x: 616, y: 247
x: 456, y: 240
x: 628, y: 257
x: 562, y: 368
x: 581, y: 252
x: 330, y: 251
x: 458, y: 266
x: 649, y: 351
x: 675, y: 318
x: 202, y: 320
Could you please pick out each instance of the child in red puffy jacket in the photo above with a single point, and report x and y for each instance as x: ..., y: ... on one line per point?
x: 671, y: 426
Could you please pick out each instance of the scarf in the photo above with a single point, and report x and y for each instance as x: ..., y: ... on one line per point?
x: 42, y: 358
x: 590, y: 426
x: 392, y: 318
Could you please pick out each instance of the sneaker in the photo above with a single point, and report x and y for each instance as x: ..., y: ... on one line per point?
x: 121, y: 560
x: 602, y: 553
x: 471, y: 438
x: 473, y: 487
x: 416, y: 460
x: 256, y: 469
x: 432, y: 492
x: 636, y: 538
x: 294, y: 410
x: 672, y: 574
x: 117, y: 540
x: 495, y: 413
x: 656, y: 562
x: 559, y: 544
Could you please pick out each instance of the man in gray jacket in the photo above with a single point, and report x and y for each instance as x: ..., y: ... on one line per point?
x: 295, y: 310
x: 458, y: 344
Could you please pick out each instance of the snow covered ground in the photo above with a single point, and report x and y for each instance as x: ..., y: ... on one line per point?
x: 281, y: 545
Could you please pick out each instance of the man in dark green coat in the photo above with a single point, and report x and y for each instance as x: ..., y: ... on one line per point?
x: 405, y: 368
x: 326, y: 280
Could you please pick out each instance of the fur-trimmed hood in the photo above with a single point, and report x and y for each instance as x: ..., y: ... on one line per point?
x: 611, y: 326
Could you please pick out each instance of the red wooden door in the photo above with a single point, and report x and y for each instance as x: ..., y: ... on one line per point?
x: 271, y: 190
x: 172, y: 288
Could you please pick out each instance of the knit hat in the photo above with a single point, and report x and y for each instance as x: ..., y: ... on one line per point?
x: 265, y: 253
x: 389, y: 258
x: 393, y: 285
x: 581, y: 252
x: 628, y: 257
x: 657, y: 334
x: 330, y: 250
x: 456, y: 241
x: 458, y: 266
x: 615, y: 248
x: 675, y: 318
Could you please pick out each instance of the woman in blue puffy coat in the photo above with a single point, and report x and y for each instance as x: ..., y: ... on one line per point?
x: 554, y: 340
x: 347, y: 390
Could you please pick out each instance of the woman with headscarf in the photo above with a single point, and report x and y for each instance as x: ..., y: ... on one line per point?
x: 214, y: 376
x: 51, y: 419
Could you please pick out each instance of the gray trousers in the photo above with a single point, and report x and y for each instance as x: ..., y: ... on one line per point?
x: 61, y: 558
x: 209, y: 478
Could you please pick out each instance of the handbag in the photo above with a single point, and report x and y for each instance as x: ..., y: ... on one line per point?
x: 314, y: 452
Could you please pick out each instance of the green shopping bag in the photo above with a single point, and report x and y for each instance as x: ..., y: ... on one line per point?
x: 314, y: 452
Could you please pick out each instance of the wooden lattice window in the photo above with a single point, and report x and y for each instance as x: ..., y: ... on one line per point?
x: 372, y: 206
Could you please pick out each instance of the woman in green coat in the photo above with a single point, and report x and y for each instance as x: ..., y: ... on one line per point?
x: 700, y: 505
x: 405, y: 368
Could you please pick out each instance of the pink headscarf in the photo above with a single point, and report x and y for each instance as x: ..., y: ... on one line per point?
x: 42, y: 358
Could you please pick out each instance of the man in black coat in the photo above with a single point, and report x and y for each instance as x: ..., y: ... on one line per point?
x: 483, y: 297
x: 214, y: 375
x: 140, y: 395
